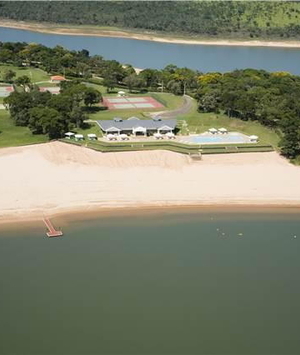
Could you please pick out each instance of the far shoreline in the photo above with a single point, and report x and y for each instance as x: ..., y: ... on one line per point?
x: 72, y: 30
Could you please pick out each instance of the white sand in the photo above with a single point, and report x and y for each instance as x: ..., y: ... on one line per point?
x: 57, y: 177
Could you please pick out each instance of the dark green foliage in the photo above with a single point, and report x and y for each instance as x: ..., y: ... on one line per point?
x: 270, y: 98
x: 8, y: 76
x: 91, y: 96
x: 45, y: 113
x: 250, y: 19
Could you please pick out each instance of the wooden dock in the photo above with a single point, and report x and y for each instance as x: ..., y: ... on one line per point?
x: 52, y: 232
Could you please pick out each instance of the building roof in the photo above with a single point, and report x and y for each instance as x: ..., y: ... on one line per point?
x: 58, y: 77
x: 131, y: 124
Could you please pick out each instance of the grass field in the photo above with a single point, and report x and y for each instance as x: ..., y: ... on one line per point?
x: 201, y: 122
x: 36, y: 75
x: 12, y: 136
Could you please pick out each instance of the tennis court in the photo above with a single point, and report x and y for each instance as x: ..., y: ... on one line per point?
x: 52, y: 89
x: 121, y: 103
x: 5, y: 90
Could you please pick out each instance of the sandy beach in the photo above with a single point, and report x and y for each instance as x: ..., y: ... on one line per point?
x: 52, y: 178
x: 98, y: 32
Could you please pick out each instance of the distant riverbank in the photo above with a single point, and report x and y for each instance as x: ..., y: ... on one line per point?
x: 117, y: 33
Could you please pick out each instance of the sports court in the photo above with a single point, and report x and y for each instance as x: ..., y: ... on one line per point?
x: 52, y: 89
x: 5, y: 90
x: 121, y: 103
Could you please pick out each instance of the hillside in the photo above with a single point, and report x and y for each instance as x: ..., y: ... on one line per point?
x: 277, y: 20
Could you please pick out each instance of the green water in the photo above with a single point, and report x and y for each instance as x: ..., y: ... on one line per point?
x: 156, y: 283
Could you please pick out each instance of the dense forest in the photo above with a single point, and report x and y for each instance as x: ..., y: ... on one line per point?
x: 231, y: 19
x: 273, y: 99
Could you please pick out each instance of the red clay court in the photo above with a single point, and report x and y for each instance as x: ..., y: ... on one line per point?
x: 5, y: 90
x: 121, y: 103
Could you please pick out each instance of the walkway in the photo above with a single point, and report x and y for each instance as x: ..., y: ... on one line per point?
x: 185, y: 108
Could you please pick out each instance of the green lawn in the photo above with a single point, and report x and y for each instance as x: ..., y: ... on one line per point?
x: 35, y: 74
x: 12, y: 136
x: 89, y: 128
x: 201, y: 122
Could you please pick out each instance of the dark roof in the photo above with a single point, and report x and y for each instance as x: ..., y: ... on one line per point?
x: 130, y: 124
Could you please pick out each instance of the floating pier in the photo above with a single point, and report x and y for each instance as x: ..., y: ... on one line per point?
x: 52, y: 232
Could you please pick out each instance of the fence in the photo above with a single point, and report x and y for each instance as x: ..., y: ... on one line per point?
x: 182, y: 148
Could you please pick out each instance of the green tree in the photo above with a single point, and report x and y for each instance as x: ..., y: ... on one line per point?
x: 92, y: 96
x: 133, y: 81
x: 24, y: 82
x: 46, y: 120
x: 8, y: 75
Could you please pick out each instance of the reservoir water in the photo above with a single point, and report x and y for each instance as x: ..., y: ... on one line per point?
x: 147, y: 54
x: 165, y: 282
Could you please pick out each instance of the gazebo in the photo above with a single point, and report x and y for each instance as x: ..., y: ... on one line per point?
x: 121, y: 93
x: 92, y: 136
x: 69, y: 135
x: 78, y: 137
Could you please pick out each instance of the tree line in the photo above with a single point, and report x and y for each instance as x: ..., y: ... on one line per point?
x: 273, y: 99
x: 44, y: 113
x: 244, y: 19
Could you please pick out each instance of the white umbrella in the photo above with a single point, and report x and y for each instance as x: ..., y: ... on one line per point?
x: 213, y: 130
x: 124, y: 136
x: 222, y: 130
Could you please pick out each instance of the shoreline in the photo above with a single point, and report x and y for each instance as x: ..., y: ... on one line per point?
x: 56, y: 179
x: 94, y: 32
x: 80, y: 214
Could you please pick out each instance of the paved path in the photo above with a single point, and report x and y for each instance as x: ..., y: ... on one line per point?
x: 186, y: 107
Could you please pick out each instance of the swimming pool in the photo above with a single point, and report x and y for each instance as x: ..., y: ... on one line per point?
x: 229, y: 138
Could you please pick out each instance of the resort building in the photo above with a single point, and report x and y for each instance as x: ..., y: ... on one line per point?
x: 135, y: 126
